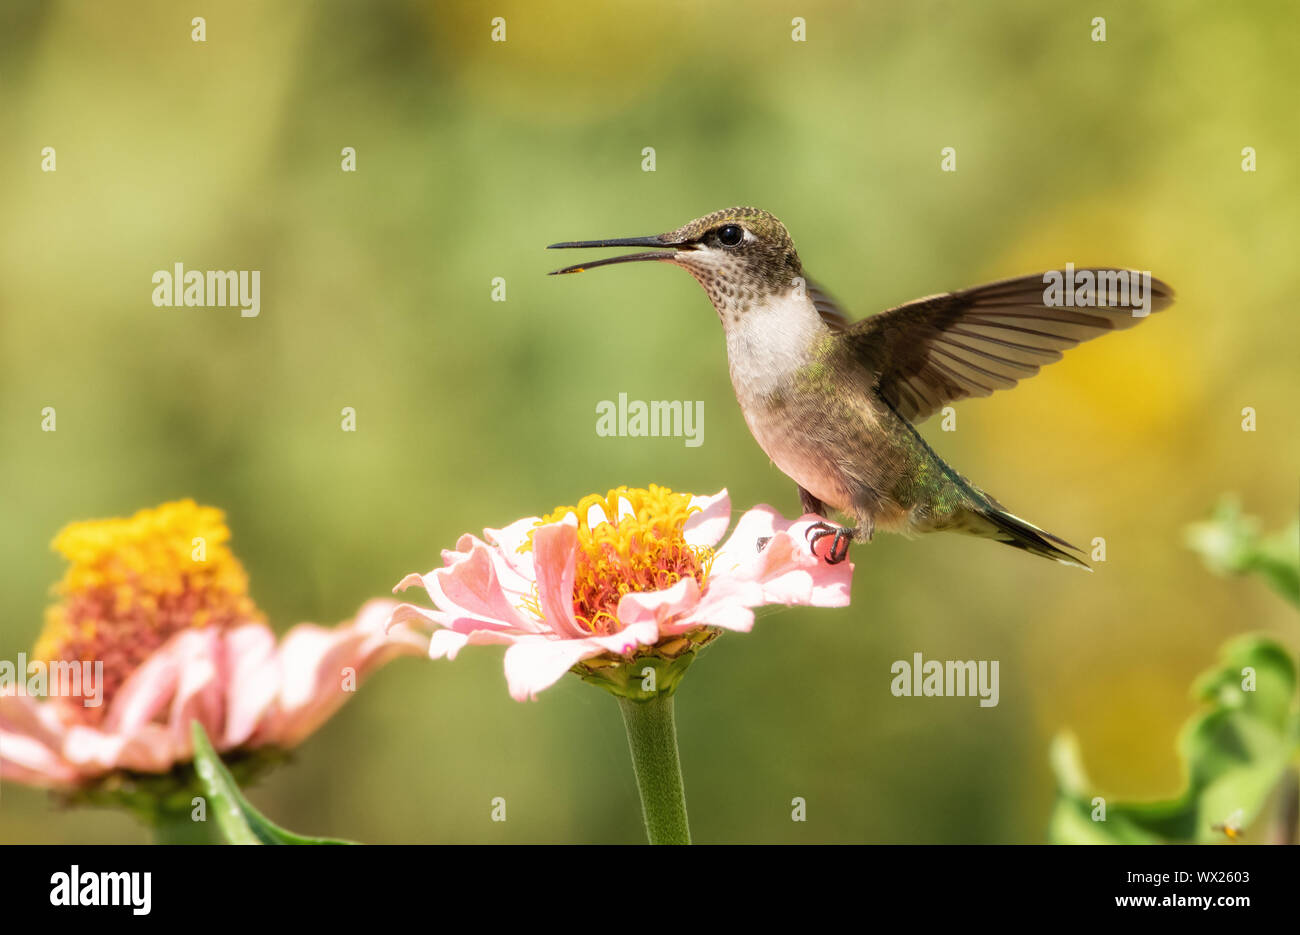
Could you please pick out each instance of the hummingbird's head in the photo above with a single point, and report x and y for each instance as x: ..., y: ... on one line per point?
x: 739, y: 255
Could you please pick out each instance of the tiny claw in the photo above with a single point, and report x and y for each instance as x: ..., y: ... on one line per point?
x: 762, y: 542
x: 839, y: 549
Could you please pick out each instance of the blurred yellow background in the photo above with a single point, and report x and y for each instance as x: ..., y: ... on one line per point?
x: 472, y: 155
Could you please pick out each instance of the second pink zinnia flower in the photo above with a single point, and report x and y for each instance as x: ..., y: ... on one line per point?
x: 630, y: 575
x: 154, y: 609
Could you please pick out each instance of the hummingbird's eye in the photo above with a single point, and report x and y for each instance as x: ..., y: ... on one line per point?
x: 730, y: 235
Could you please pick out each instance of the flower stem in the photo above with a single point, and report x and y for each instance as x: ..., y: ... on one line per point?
x: 652, y: 736
x: 177, y: 827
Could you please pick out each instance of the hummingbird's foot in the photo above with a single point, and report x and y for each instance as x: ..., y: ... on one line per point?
x: 839, y: 550
x: 762, y: 542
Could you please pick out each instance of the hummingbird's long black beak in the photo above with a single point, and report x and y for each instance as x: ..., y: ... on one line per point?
x: 659, y: 241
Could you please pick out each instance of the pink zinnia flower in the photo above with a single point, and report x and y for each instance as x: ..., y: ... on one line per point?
x: 161, y: 603
x: 630, y: 575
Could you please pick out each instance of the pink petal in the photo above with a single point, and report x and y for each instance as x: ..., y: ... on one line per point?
x: 201, y: 689
x: 554, y: 548
x: 74, y: 752
x: 725, y: 603
x: 628, y: 638
x: 786, y: 568
x: 658, y: 606
x: 252, y: 682
x: 386, y: 640
x: 147, y: 691
x: 319, y: 667
x: 509, y: 540
x: 27, y: 761
x: 417, y: 616
x: 150, y: 749
x: 537, y: 662
x: 423, y: 617
x: 534, y: 663
x: 409, y: 581
x: 31, y: 738
x: 471, y: 588
x: 45, y: 721
x: 707, y: 527
x: 447, y: 643
x: 741, y: 549
x: 803, y: 578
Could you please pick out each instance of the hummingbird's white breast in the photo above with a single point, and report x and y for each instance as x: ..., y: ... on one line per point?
x: 767, y: 345
x: 769, y: 341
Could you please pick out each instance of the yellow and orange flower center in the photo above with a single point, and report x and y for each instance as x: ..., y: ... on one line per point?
x: 134, y: 583
x: 634, y: 543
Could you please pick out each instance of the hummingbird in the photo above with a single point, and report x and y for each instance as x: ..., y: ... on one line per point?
x: 834, y: 403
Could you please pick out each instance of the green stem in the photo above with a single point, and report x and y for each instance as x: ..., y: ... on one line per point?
x: 178, y: 827
x: 652, y: 737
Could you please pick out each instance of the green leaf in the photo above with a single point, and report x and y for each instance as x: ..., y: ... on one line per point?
x: 1234, y: 756
x: 239, y: 822
x: 1230, y: 543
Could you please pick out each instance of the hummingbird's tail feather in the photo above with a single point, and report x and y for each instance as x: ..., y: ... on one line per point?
x: 993, y: 522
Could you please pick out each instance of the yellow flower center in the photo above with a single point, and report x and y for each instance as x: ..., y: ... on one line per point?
x: 639, y: 545
x: 134, y: 583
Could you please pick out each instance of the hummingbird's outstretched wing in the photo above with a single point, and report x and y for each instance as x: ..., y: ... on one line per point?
x: 930, y: 352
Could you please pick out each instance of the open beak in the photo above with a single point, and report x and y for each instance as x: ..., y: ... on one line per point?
x: 659, y: 241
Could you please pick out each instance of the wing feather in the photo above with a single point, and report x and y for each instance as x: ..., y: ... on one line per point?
x: 946, y: 347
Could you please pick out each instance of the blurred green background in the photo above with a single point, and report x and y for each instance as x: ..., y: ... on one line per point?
x: 472, y: 156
